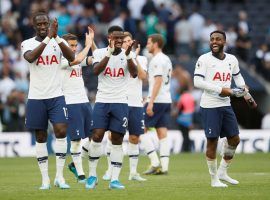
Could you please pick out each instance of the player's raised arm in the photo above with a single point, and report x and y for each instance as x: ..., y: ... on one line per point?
x: 100, y: 66
x: 89, y: 38
x: 67, y: 52
x: 132, y: 68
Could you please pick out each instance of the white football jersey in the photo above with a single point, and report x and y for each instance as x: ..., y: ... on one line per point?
x: 113, y: 80
x: 72, y: 82
x: 135, y: 86
x: 45, y: 82
x: 160, y: 65
x: 218, y: 73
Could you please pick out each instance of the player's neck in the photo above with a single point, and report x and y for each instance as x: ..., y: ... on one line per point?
x: 38, y: 38
x: 117, y: 51
x: 219, y: 55
x: 156, y: 51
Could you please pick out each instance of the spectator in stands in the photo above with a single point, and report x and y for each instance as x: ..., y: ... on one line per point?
x: 186, y: 108
x: 196, y: 21
x: 243, y: 23
x: 243, y: 45
x: 183, y: 38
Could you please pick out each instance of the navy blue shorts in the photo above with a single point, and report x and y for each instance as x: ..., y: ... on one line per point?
x: 135, y: 120
x: 111, y: 116
x: 219, y: 122
x: 79, y: 120
x: 161, y: 116
x: 39, y: 111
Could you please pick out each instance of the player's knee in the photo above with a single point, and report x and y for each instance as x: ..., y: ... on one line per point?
x: 97, y: 138
x: 133, y: 139
x: 60, y: 131
x: 234, y: 141
x: 117, y: 139
x: 41, y: 136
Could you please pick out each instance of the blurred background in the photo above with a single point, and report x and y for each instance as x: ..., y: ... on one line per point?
x: 185, y: 24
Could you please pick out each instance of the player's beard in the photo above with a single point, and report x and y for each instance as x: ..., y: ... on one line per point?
x: 219, y: 52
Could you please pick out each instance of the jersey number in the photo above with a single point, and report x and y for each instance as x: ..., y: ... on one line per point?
x: 125, y: 120
x: 168, y: 77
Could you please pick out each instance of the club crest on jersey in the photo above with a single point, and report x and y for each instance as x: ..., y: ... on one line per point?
x: 47, y: 60
x: 222, y: 76
x: 114, y: 72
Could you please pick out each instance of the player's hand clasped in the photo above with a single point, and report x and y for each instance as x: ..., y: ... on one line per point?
x: 110, y: 48
x: 89, y: 37
x: 129, y: 50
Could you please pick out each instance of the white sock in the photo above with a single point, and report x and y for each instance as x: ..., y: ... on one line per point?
x: 95, y: 151
x: 75, y: 151
x: 164, y: 152
x: 117, y: 155
x: 85, y: 148
x: 223, y: 166
x: 148, y: 145
x: 212, y: 166
x: 42, y: 158
x: 108, y: 153
x: 60, y: 152
x: 133, y: 153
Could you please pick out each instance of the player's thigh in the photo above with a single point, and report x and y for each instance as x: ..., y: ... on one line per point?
x: 36, y: 115
x: 212, y: 121
x: 57, y: 110
x: 135, y: 121
x: 229, y: 123
x: 163, y: 111
x: 75, y: 127
x: 118, y: 117
x: 100, y: 116
x: 88, y: 113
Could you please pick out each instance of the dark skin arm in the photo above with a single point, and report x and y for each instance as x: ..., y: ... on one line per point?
x: 99, y: 67
x: 31, y: 56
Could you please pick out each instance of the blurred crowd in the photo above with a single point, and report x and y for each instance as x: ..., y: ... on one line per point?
x: 181, y: 22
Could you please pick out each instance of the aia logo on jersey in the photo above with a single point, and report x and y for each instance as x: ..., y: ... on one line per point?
x: 47, y: 60
x: 222, y: 76
x: 76, y: 73
x: 114, y: 72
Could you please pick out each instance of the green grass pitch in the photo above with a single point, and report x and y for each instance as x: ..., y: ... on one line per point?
x: 188, y: 178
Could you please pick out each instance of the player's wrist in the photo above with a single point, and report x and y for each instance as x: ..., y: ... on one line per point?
x: 46, y: 40
x: 109, y: 51
x: 58, y: 39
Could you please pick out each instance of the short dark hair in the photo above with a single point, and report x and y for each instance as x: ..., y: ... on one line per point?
x: 69, y: 36
x: 114, y: 28
x: 220, y: 32
x: 39, y: 13
x: 157, y: 38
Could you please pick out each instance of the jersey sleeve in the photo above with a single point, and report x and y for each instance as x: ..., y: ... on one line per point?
x: 26, y: 46
x: 97, y: 56
x: 157, y: 68
x: 143, y: 62
x: 237, y: 76
x: 84, y: 62
x: 200, y: 68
